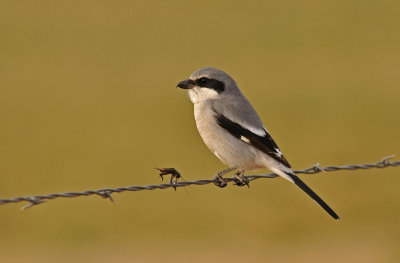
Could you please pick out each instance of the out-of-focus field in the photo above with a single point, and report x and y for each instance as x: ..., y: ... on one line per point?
x: 88, y: 100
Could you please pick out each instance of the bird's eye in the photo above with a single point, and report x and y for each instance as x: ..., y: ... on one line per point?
x: 202, y: 81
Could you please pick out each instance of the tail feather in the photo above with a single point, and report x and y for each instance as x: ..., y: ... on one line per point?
x: 312, y: 194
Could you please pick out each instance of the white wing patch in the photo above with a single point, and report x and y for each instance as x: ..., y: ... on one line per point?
x: 278, y: 152
x: 259, y: 132
x: 244, y: 139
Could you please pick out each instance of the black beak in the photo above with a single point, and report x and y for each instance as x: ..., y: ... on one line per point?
x: 186, y: 84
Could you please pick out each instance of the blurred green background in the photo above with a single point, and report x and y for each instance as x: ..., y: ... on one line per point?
x: 88, y: 100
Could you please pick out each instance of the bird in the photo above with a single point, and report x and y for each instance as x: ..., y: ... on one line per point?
x: 231, y: 128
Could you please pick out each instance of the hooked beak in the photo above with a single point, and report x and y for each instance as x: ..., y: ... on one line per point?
x: 186, y: 84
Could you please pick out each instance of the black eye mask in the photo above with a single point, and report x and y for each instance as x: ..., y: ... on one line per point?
x: 213, y: 84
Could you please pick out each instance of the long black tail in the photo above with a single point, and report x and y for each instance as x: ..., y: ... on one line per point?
x: 313, y: 195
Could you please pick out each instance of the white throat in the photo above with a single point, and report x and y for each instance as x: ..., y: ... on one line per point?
x: 198, y: 95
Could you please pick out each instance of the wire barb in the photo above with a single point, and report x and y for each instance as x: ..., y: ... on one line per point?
x: 106, y: 194
x: 33, y: 201
x: 174, y: 183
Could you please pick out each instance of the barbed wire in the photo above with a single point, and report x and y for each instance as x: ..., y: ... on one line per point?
x: 174, y: 183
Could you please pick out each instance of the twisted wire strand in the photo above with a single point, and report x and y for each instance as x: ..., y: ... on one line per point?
x: 106, y: 192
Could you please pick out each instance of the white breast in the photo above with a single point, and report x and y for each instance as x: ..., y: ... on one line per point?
x: 233, y: 152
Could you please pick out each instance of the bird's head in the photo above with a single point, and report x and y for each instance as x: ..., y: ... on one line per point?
x: 208, y: 84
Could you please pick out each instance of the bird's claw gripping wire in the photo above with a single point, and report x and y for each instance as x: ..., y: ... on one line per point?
x: 219, y: 180
x: 240, y: 180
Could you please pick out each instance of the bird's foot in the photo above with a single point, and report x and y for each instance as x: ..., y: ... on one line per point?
x: 220, y: 181
x: 240, y: 180
x: 175, y: 175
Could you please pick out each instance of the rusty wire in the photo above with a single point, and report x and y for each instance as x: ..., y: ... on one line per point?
x: 174, y: 183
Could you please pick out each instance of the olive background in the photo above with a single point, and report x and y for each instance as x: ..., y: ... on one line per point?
x: 88, y: 99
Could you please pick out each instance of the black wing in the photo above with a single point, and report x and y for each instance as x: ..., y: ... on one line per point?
x: 263, y: 143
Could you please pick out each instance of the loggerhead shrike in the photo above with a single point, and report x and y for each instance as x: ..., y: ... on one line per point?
x: 233, y: 131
